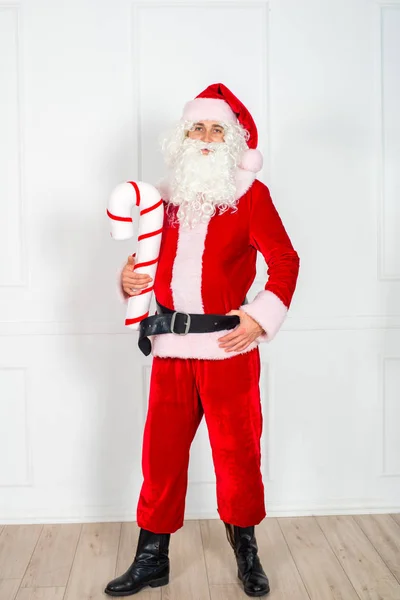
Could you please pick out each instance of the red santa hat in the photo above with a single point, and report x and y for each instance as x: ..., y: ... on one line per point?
x: 217, y: 102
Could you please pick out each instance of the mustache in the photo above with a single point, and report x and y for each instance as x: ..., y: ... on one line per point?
x: 200, y: 145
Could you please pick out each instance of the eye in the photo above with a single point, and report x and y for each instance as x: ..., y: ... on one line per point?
x: 198, y: 128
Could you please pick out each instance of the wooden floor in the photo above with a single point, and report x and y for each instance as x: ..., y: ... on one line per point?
x: 335, y: 558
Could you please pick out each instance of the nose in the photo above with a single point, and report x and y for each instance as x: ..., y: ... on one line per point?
x: 207, y: 136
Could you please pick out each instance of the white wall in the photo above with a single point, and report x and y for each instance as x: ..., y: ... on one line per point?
x: 86, y: 88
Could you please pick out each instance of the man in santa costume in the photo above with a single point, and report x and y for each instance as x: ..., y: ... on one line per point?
x: 205, y: 335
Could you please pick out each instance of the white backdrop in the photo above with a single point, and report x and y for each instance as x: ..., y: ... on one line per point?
x: 86, y: 88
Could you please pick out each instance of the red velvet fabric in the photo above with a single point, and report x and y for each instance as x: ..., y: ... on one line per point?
x: 227, y: 394
x: 229, y: 258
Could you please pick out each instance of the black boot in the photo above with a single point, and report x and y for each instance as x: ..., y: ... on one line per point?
x: 250, y: 571
x: 150, y: 567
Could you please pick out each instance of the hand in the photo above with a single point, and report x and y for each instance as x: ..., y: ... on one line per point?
x: 130, y: 279
x: 243, y: 335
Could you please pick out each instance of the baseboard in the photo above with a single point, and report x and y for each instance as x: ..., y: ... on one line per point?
x: 109, y: 514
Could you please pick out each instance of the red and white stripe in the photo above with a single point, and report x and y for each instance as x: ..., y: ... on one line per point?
x: 123, y: 198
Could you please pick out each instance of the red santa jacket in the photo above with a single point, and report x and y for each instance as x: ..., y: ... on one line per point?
x: 209, y: 269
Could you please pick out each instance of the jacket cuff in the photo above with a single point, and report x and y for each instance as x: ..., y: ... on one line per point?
x: 269, y: 311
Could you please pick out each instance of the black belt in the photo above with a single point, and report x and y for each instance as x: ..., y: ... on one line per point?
x: 180, y: 323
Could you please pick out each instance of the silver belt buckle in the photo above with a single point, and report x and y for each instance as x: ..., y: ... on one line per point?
x: 187, y: 325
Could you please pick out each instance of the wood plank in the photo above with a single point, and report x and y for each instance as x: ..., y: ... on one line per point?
x: 17, y: 543
x: 396, y: 517
x: 94, y: 563
x: 51, y: 561
x: 9, y: 588
x: 278, y: 563
x: 41, y: 593
x: 127, y: 550
x: 384, y: 535
x: 365, y: 568
x: 219, y: 556
x: 333, y: 554
x: 323, y: 575
x: 188, y: 579
x: 230, y: 591
x: 275, y: 557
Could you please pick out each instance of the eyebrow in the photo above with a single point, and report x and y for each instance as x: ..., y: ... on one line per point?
x: 213, y: 125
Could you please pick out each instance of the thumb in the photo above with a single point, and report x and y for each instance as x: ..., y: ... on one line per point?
x: 233, y: 312
x: 131, y: 260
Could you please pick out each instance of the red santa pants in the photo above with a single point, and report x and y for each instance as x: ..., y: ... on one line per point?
x: 227, y: 393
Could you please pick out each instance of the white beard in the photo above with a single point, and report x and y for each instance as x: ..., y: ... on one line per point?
x: 200, y: 183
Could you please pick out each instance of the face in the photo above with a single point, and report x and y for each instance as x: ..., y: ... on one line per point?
x: 207, y: 131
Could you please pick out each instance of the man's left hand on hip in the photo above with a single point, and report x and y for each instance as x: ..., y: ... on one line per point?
x: 243, y: 335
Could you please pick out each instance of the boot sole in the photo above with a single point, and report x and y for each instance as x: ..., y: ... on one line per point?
x: 254, y: 594
x: 155, y: 583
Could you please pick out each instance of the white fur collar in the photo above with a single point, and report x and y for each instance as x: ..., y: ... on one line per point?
x: 244, y: 180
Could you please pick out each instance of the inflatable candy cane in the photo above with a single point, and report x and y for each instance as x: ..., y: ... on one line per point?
x: 123, y: 198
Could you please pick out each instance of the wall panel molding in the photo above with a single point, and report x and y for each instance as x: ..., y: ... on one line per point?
x: 137, y: 8
x: 268, y: 410
x: 389, y: 382
x: 112, y: 513
x: 14, y: 425
x: 386, y: 239
x: 291, y: 324
x: 13, y: 272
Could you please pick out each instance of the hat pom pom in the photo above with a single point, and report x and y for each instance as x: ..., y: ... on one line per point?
x: 252, y: 160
